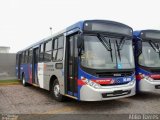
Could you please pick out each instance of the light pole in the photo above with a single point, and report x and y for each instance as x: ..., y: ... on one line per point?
x: 50, y: 30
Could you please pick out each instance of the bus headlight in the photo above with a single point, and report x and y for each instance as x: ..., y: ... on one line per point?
x: 92, y: 84
x: 146, y: 77
x: 132, y: 82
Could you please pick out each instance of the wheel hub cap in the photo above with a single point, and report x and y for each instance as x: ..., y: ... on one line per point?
x: 56, y: 90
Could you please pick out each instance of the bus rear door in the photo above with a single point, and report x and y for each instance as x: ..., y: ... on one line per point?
x: 35, y: 65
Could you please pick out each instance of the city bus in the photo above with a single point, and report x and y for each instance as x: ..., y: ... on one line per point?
x: 147, y: 60
x: 91, y: 60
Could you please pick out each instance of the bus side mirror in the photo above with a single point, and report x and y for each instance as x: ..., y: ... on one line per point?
x: 80, y: 40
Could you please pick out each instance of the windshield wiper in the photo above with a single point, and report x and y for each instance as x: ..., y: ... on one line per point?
x: 155, y: 47
x: 120, y: 46
x: 106, y: 44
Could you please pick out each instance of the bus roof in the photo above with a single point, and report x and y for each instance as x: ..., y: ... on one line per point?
x: 147, y: 34
x: 80, y: 26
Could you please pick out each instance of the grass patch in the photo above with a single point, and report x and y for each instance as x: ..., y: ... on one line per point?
x: 9, y: 82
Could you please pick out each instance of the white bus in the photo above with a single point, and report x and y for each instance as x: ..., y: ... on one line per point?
x: 147, y: 54
x: 91, y: 60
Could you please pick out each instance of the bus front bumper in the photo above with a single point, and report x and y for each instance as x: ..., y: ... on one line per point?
x: 88, y: 93
x: 149, y: 86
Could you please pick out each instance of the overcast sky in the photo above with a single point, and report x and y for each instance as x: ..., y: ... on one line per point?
x: 23, y: 22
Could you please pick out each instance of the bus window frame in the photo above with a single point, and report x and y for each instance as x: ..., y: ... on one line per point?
x: 57, y: 49
x: 50, y: 50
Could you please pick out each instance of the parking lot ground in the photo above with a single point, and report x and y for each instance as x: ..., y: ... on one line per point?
x: 16, y: 99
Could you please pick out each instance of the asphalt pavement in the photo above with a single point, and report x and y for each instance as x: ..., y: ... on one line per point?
x: 16, y: 99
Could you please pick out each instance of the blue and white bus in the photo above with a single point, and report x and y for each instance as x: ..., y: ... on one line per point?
x: 147, y: 59
x: 91, y: 60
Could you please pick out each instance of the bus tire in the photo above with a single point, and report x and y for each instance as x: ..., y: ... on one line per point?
x: 24, y: 81
x: 55, y: 91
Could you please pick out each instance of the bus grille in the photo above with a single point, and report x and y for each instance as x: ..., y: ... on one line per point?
x: 116, y: 93
x: 114, y: 74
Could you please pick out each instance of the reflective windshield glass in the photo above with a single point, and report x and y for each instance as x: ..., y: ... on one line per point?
x: 125, y: 59
x: 149, y: 57
x: 95, y: 55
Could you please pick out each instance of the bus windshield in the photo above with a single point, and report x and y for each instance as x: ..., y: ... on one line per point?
x: 96, y: 55
x: 150, y: 56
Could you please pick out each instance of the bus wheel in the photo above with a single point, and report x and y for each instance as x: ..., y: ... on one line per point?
x: 55, y: 91
x: 24, y: 81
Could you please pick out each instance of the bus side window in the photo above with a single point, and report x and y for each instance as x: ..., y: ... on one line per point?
x: 41, y: 53
x: 48, y: 51
x: 26, y: 57
x: 30, y: 56
x: 22, y: 58
x: 54, y: 49
x: 36, y: 53
x: 60, y: 48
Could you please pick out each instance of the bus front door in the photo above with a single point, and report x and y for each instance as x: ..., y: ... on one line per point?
x: 72, y: 65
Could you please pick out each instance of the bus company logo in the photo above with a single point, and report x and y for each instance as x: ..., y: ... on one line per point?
x: 126, y: 79
x: 117, y: 81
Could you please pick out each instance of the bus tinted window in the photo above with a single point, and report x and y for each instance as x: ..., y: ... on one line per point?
x: 42, y: 48
x: 60, y: 54
x: 60, y: 42
x: 47, y: 56
x: 30, y: 56
x: 54, y: 54
x: 55, y: 44
x: 41, y: 53
x: 36, y: 53
x: 48, y: 46
x: 58, y: 49
x: 48, y: 51
x: 22, y: 59
x: 26, y: 57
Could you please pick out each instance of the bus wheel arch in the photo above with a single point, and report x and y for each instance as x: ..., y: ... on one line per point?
x: 52, y: 79
x: 53, y: 86
x: 22, y: 75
